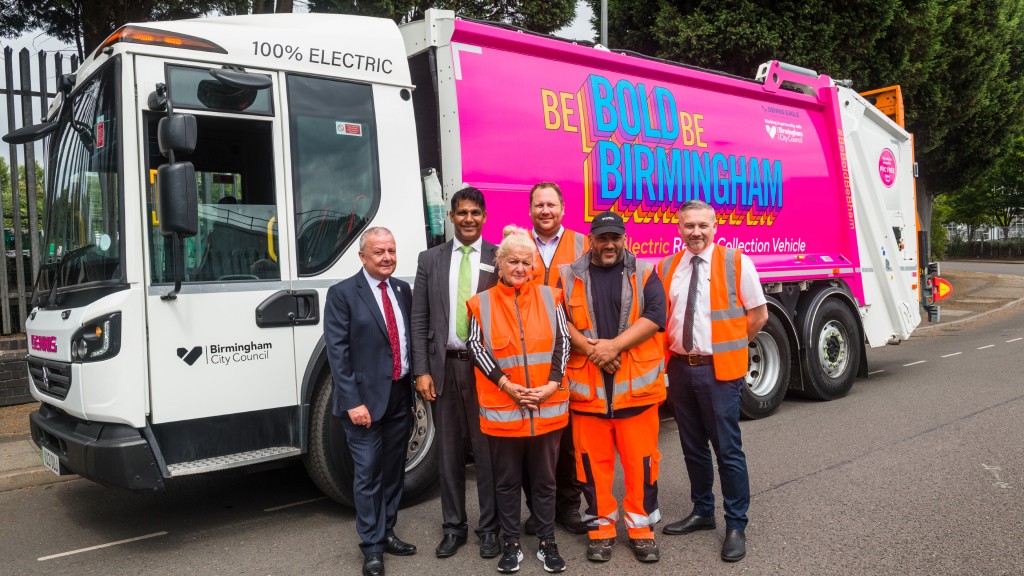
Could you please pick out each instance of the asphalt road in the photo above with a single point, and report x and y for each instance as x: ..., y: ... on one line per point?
x: 918, y: 471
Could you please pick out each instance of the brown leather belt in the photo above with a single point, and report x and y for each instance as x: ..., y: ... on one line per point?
x: 458, y: 354
x: 693, y: 359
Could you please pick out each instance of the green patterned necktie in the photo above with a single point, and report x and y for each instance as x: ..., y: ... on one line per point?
x: 465, y: 287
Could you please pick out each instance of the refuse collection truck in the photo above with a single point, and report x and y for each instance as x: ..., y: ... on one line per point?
x: 208, y: 180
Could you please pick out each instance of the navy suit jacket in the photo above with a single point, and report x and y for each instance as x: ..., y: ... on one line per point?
x: 358, y: 348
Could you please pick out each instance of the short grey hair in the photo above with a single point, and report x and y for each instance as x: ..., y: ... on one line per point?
x: 374, y: 231
x: 695, y: 205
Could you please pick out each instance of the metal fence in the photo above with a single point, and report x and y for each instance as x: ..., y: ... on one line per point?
x: 24, y: 104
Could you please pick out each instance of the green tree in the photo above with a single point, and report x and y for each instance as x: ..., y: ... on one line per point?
x: 538, y: 15
x: 8, y: 198
x: 87, y: 23
x: 998, y: 198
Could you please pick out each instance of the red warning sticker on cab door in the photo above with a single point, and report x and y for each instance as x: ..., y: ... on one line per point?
x: 349, y: 128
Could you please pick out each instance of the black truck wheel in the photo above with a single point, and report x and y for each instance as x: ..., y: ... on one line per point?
x: 833, y: 351
x: 329, y: 462
x: 768, y: 377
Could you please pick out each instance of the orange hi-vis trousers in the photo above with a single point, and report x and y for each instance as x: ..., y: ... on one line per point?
x: 636, y: 440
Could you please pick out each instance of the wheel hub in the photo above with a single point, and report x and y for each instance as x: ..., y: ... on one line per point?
x: 833, y: 348
x: 421, y: 435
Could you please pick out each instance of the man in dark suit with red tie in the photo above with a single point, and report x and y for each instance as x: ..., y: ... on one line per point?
x: 366, y: 327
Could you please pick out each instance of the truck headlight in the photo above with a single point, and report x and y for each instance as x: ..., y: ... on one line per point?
x: 98, y: 339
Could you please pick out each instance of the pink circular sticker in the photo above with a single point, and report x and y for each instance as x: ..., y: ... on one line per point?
x: 887, y: 168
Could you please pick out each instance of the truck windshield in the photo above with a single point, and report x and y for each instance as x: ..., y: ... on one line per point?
x: 82, y: 244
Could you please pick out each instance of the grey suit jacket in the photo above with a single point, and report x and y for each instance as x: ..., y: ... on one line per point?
x: 431, y: 304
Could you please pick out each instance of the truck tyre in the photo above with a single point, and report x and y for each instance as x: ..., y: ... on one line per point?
x: 327, y: 458
x: 329, y: 462
x: 768, y: 377
x: 421, y: 465
x: 833, y: 351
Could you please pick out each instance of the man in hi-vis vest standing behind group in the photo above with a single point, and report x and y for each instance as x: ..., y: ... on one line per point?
x: 616, y: 312
x: 715, y: 307
x: 556, y: 247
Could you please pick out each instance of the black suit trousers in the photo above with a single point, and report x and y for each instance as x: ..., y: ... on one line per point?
x: 378, y: 453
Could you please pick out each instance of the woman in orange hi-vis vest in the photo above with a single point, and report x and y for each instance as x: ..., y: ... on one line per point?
x: 520, y: 343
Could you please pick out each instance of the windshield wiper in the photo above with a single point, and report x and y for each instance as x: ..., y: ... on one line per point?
x: 60, y: 266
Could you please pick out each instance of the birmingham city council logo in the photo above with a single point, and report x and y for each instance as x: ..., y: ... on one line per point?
x: 190, y: 356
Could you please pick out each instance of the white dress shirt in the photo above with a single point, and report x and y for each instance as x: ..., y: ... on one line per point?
x: 454, y: 342
x: 547, y: 249
x: 751, y: 295
x: 403, y: 338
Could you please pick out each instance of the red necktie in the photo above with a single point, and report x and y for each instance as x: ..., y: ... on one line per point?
x: 396, y: 348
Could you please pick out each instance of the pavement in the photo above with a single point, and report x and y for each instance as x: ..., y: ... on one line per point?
x: 975, y: 295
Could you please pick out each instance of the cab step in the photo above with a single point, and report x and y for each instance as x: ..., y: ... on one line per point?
x: 232, y: 460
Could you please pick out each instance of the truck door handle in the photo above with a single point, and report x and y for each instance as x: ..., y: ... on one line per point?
x: 289, y: 308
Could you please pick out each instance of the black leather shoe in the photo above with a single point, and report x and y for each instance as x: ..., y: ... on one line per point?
x: 489, y: 547
x: 449, y: 545
x: 373, y: 564
x: 396, y: 547
x: 735, y: 546
x: 691, y: 523
x: 572, y: 523
x: 530, y: 526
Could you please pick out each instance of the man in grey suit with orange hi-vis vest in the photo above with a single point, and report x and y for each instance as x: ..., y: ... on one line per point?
x: 715, y: 307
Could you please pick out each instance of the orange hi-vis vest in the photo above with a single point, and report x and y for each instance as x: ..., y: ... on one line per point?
x: 728, y: 316
x: 639, y: 380
x: 570, y: 247
x: 519, y: 330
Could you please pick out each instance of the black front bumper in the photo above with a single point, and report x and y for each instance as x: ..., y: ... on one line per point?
x: 109, y: 454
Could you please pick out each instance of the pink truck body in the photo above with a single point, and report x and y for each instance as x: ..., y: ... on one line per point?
x: 641, y: 137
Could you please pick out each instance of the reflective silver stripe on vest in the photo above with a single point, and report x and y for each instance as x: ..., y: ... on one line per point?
x: 518, y: 415
x: 578, y: 245
x: 666, y: 265
x: 548, y: 297
x: 554, y: 411
x: 485, y: 318
x: 503, y: 416
x: 729, y: 346
x: 731, y: 313
x: 642, y: 269
x: 735, y: 309
x: 730, y: 275
x: 641, y: 521
x: 517, y: 360
x: 638, y: 383
x: 583, y: 389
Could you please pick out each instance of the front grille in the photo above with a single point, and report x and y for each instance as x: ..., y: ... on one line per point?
x: 49, y: 377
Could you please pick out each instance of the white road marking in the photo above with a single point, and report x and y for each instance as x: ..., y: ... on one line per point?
x: 999, y: 483
x: 89, y: 549
x: 983, y: 347
x: 1014, y: 340
x: 918, y: 362
x: 282, y: 507
x: 953, y: 354
x: 875, y: 372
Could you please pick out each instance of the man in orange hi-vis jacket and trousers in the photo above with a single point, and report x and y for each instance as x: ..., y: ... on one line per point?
x: 616, y: 310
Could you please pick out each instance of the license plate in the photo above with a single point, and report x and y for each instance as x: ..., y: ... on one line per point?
x: 51, y: 461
